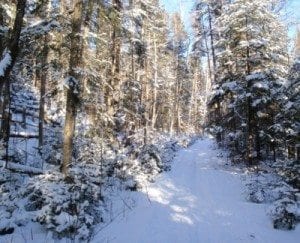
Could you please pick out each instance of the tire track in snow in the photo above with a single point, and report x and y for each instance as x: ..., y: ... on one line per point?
x: 199, y: 200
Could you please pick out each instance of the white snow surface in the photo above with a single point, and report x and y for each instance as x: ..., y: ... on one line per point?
x: 200, y: 200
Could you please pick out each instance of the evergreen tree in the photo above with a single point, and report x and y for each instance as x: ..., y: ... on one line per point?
x: 252, y: 64
x: 287, y: 123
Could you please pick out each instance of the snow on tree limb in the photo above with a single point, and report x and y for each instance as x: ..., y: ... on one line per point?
x: 5, y: 62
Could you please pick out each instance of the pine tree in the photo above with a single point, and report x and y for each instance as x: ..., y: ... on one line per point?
x: 179, y: 47
x: 251, y: 71
x: 287, y: 121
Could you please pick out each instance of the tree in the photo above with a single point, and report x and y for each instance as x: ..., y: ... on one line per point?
x: 10, y: 54
x: 72, y: 84
x: 113, y: 88
x: 251, y: 69
x: 44, y: 75
x: 181, y: 86
x: 287, y: 126
x: 9, y: 57
x: 206, y: 14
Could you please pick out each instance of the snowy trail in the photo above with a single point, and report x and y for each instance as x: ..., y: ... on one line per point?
x: 199, y: 200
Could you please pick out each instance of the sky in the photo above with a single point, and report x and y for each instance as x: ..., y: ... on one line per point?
x: 182, y: 6
x: 185, y: 6
x: 294, y: 5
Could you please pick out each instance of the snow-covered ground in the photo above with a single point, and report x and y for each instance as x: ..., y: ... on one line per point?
x: 200, y: 200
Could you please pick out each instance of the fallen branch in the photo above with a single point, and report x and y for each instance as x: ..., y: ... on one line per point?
x: 24, y: 135
x: 24, y: 169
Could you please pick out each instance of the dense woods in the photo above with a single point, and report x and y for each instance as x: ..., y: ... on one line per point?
x: 98, y: 93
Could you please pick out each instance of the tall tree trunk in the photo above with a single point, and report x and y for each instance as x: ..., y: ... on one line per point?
x: 2, y: 39
x: 212, y: 71
x: 73, y: 85
x: 116, y: 50
x: 12, y: 52
x: 178, y: 106
x: 43, y: 84
x: 257, y: 142
x: 192, y: 105
x: 6, y: 117
x: 13, y: 47
x: 212, y: 44
x: 145, y: 90
x: 154, y: 111
x: 250, y: 111
x: 112, y: 94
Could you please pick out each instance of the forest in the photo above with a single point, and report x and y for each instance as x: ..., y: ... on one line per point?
x: 106, y: 105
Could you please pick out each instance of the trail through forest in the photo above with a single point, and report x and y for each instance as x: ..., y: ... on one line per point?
x: 200, y: 200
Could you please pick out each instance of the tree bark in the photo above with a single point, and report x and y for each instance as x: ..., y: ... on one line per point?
x: 112, y: 90
x: 73, y: 85
x: 250, y: 111
x: 212, y: 44
x: 43, y: 84
x: 13, y: 47
x: 116, y: 55
x: 12, y: 50
x: 2, y: 39
x: 154, y: 111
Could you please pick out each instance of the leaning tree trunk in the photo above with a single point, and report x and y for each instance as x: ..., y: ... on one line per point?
x: 73, y: 85
x: 13, y: 47
x: 11, y: 54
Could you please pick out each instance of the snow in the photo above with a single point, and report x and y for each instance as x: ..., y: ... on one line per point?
x: 230, y: 85
x: 64, y: 220
x: 200, y: 200
x: 71, y: 82
x: 218, y: 92
x: 289, y: 105
x: 259, y: 113
x: 255, y: 76
x: 261, y: 85
x: 5, y: 62
x: 256, y: 102
x: 39, y: 27
x: 21, y: 168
